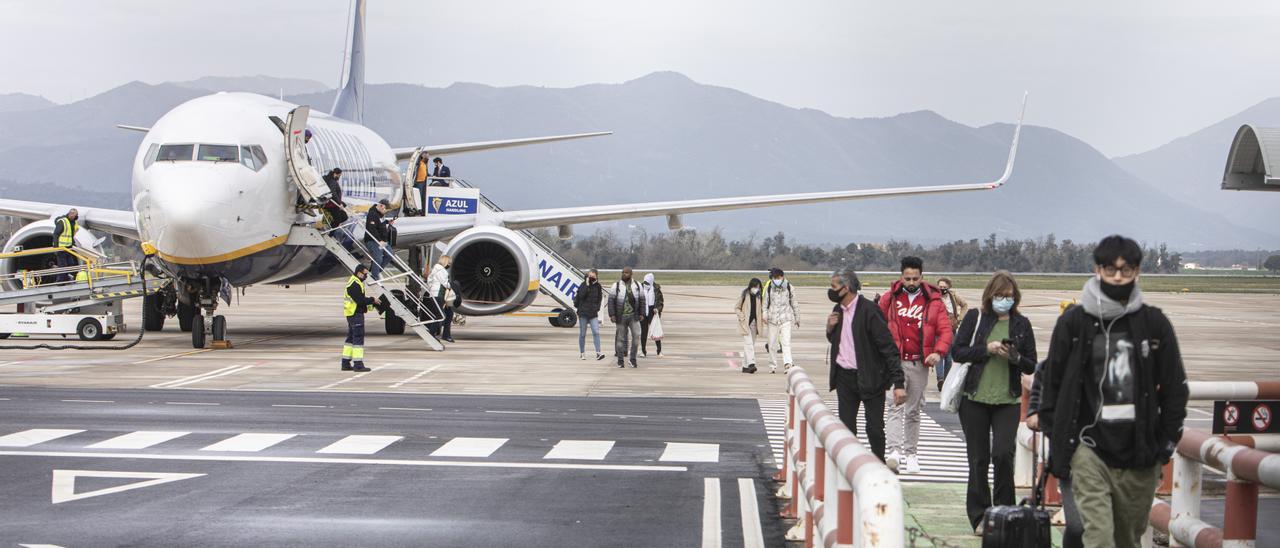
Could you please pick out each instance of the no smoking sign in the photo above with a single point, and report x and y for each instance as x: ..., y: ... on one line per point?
x: 1245, y: 417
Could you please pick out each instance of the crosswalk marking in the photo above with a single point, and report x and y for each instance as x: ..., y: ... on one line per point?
x: 711, y: 513
x: 752, y: 534
x: 27, y: 438
x: 941, y: 452
x: 137, y: 440
x: 360, y: 445
x: 580, y: 450
x: 248, y: 442
x: 690, y: 452
x: 469, y: 447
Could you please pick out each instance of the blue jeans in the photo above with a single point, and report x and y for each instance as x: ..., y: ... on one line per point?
x: 942, y: 367
x: 582, y: 333
x: 377, y: 258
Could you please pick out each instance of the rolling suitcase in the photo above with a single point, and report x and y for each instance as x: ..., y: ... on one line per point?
x: 1025, y: 525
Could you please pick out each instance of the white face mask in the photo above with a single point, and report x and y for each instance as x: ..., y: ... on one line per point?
x: 778, y: 282
x: 755, y: 291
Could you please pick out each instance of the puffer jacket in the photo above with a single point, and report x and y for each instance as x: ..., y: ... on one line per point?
x: 780, y: 304
x: 937, y: 333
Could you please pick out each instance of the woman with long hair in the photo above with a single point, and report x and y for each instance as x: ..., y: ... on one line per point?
x: 999, y: 345
x: 750, y: 309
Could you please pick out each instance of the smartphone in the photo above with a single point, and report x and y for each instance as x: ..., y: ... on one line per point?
x: 1007, y: 342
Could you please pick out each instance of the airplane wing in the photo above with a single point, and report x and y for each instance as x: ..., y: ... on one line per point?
x: 412, y: 231
x: 110, y: 221
x: 440, y: 150
x: 537, y: 218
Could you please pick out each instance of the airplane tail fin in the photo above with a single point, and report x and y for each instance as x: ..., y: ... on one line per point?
x: 349, y: 104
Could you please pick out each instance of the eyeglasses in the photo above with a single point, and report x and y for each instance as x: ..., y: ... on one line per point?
x: 1126, y: 270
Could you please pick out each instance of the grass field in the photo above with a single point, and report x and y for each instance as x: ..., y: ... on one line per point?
x: 1194, y: 284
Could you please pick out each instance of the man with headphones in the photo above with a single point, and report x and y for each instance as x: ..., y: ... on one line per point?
x: 1113, y: 399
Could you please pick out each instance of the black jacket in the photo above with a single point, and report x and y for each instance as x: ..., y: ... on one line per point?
x: 363, y: 302
x: 374, y: 226
x: 587, y: 300
x: 637, y: 301
x: 335, y: 190
x: 657, y: 298
x: 879, y: 362
x: 1160, y: 386
x: 57, y: 229
x: 1024, y: 341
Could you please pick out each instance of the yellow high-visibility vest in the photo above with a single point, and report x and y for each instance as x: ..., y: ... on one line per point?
x: 82, y: 276
x: 68, y: 236
x: 348, y: 305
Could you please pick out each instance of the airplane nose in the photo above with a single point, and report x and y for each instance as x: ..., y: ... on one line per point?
x: 190, y: 213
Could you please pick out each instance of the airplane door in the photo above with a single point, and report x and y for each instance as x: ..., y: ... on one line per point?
x: 411, y: 198
x: 304, y: 175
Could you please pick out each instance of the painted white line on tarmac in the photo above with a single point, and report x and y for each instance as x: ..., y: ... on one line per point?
x: 349, y: 379
x: 711, y: 513
x: 725, y: 419
x: 469, y: 447
x: 405, y: 408
x: 137, y: 440
x: 299, y: 405
x: 580, y: 450
x: 27, y: 438
x: 197, y: 378
x: 415, y: 377
x: 691, y: 452
x: 360, y: 445
x: 190, y: 403
x: 251, y: 442
x: 752, y: 534
x: 338, y: 460
x: 514, y: 412
x: 88, y: 401
x: 620, y: 416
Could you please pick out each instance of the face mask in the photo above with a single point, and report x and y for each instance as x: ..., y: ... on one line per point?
x: 755, y: 291
x: 1002, y: 305
x: 945, y: 291
x: 834, y: 295
x: 591, y: 281
x: 778, y: 282
x: 912, y: 290
x: 1118, y: 292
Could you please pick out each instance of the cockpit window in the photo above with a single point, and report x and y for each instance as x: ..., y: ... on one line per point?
x: 150, y: 158
x: 253, y: 157
x: 219, y: 153
x: 175, y: 153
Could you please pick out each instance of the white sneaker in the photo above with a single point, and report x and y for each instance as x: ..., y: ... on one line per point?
x: 582, y: 356
x: 913, y: 464
x: 892, y: 461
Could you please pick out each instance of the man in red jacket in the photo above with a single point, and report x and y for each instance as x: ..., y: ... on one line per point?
x: 918, y: 321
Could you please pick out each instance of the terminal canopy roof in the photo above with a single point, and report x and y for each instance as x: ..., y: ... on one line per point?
x: 1254, y: 160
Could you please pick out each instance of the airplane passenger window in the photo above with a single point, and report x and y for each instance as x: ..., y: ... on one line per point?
x: 219, y: 153
x: 175, y: 153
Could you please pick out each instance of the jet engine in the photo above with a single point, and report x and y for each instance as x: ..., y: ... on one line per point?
x: 34, y: 236
x: 492, y: 270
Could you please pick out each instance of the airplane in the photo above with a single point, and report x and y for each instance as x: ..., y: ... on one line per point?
x: 215, y: 196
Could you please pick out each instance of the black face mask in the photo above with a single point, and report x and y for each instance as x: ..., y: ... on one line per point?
x: 945, y: 291
x: 834, y: 295
x: 591, y: 281
x: 1118, y: 292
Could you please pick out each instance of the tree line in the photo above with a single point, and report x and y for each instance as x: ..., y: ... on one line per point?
x: 694, y: 250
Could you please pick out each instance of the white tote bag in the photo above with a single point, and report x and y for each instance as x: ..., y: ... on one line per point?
x: 655, y: 329
x: 953, y: 387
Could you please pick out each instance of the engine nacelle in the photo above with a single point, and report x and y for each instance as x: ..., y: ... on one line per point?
x: 33, y: 236
x: 492, y: 268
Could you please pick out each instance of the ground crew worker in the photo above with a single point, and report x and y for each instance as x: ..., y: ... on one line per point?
x: 64, y: 237
x: 355, y: 304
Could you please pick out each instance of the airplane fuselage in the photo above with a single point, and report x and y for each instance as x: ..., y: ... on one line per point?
x: 211, y: 193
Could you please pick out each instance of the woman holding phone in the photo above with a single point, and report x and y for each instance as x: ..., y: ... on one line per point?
x: 1002, y: 349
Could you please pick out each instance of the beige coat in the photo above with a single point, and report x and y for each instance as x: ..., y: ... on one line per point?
x: 958, y: 308
x: 743, y: 309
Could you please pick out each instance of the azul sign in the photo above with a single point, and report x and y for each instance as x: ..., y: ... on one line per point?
x: 452, y: 201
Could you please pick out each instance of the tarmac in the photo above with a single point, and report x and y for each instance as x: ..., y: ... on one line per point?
x: 506, y: 378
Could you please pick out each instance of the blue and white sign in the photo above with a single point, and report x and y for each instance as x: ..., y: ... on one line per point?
x: 452, y: 201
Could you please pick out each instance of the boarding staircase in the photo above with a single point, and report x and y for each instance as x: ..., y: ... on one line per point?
x: 392, y: 286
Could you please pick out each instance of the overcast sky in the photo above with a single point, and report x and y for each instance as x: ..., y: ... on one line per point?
x: 1124, y: 76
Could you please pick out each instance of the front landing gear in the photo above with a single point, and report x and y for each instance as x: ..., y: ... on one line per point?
x: 204, y: 324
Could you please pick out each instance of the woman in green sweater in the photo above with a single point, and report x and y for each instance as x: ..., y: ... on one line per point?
x: 999, y: 353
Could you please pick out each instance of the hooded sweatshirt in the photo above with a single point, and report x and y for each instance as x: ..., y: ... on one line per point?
x: 1114, y: 382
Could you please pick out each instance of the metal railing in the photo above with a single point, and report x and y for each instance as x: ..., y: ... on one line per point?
x: 840, y: 493
x: 396, y: 270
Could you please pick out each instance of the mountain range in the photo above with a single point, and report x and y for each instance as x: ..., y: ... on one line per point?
x: 675, y: 138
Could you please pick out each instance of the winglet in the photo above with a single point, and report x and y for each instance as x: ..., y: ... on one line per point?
x: 133, y: 128
x: 1013, y: 148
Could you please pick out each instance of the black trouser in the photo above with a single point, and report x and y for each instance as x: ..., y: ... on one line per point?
x: 990, y: 432
x: 421, y: 187
x: 848, y: 398
x: 65, y: 260
x: 443, y: 329
x: 644, y: 332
